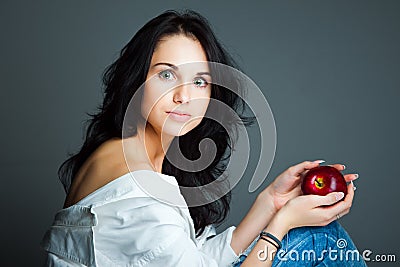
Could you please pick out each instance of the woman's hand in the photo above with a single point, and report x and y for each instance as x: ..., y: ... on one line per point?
x: 315, y: 210
x: 286, y: 187
x: 310, y: 210
x: 288, y: 184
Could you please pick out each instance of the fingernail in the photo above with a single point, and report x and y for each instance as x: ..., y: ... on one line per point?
x: 344, y: 166
x: 354, y: 187
x: 339, y: 195
x: 356, y: 175
x: 319, y: 161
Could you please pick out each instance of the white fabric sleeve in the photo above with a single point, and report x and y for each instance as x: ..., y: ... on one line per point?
x: 53, y: 260
x: 146, y: 232
x: 219, y: 247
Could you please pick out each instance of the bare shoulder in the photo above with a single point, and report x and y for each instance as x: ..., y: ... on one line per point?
x: 104, y: 165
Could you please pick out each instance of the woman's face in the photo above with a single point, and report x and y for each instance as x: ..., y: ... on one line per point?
x: 178, y: 86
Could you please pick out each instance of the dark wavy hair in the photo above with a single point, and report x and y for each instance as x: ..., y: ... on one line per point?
x: 125, y: 76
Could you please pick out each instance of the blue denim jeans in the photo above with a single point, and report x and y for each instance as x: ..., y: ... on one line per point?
x: 327, y: 245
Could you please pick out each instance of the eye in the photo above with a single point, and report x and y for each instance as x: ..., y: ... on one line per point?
x: 167, y: 75
x: 200, y: 82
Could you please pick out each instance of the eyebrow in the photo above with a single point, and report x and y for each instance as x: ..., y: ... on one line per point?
x: 176, y: 68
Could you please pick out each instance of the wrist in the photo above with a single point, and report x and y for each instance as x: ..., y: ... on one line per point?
x: 266, y: 197
x: 279, y: 225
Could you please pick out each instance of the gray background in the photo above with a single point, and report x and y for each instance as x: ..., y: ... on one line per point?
x: 329, y: 69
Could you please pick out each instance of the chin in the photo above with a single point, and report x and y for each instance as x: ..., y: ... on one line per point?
x: 174, y: 130
x: 179, y: 129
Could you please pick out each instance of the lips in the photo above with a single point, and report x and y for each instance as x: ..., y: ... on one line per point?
x: 178, y: 116
x: 178, y: 113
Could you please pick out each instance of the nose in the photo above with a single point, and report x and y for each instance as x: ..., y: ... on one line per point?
x: 182, y: 93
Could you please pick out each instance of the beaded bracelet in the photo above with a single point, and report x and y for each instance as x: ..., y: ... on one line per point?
x: 276, y: 242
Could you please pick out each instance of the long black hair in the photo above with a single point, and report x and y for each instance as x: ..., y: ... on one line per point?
x: 125, y: 76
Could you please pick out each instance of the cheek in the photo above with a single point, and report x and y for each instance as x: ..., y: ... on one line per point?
x: 149, y: 105
x: 152, y: 99
x: 204, y: 105
x: 204, y: 101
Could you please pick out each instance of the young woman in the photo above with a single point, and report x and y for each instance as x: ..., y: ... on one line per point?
x: 110, y: 217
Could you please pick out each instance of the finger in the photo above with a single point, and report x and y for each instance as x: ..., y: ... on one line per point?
x: 350, y: 193
x: 327, y: 200
x: 297, y: 169
x: 339, y: 167
x: 350, y: 177
x: 342, y: 207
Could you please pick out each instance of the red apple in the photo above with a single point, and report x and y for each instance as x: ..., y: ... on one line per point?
x: 323, y: 180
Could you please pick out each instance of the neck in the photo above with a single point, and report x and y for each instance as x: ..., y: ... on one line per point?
x: 156, y: 145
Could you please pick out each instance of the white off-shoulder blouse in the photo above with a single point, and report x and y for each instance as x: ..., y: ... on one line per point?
x: 121, y: 224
